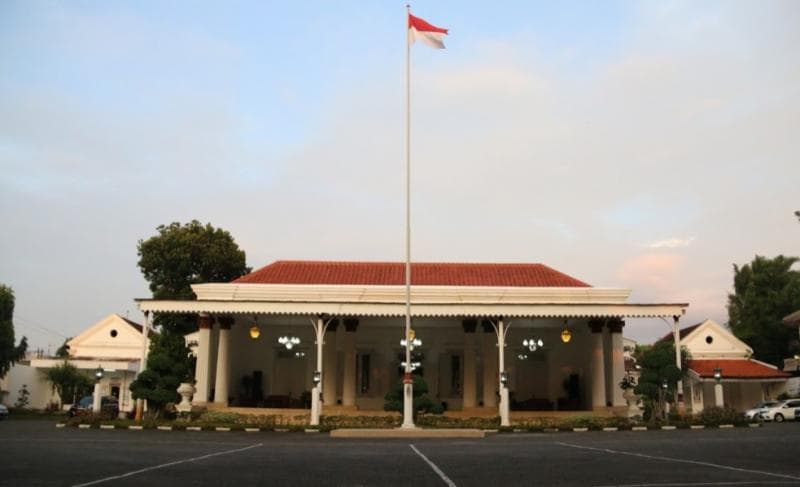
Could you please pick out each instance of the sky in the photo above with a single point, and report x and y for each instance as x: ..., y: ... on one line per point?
x: 642, y: 145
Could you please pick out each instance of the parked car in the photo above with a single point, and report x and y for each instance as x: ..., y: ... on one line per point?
x: 3, y: 412
x: 758, y: 409
x: 784, y: 410
x: 109, y: 406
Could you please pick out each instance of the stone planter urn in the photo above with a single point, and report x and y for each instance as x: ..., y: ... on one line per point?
x: 631, y: 398
x: 186, y: 391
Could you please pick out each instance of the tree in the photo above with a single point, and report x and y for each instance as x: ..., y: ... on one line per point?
x: 68, y: 382
x: 169, y: 363
x: 179, y: 256
x: 764, y: 291
x: 182, y: 255
x: 63, y: 350
x: 658, y: 369
x: 9, y: 353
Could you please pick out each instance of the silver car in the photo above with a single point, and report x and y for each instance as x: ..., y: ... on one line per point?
x: 3, y: 412
x: 759, y: 408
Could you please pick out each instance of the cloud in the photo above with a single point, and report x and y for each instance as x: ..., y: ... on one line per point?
x: 671, y: 243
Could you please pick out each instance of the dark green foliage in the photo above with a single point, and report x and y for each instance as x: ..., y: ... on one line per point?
x: 715, y: 416
x: 63, y: 350
x: 657, y: 368
x: 23, y: 397
x: 765, y: 290
x: 422, y: 403
x: 9, y: 353
x: 169, y: 363
x: 68, y: 382
x: 182, y: 255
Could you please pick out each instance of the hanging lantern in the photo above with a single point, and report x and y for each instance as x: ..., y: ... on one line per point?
x: 566, y: 335
x: 255, y: 331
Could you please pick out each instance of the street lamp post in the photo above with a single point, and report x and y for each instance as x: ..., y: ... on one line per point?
x: 718, y: 397
x: 96, y: 399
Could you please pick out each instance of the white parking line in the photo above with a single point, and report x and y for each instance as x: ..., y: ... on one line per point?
x: 164, y: 465
x: 680, y: 460
x: 436, y: 469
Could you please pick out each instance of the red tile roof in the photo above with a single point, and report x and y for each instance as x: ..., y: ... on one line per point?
x: 422, y: 274
x: 736, y: 369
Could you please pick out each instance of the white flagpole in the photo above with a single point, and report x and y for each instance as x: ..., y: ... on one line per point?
x: 408, y: 381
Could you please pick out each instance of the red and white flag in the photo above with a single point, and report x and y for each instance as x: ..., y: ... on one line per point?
x: 419, y: 29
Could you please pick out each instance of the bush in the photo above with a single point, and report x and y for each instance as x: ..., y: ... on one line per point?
x: 715, y: 416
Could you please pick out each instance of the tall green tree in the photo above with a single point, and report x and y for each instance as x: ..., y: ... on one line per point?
x: 171, y: 261
x: 9, y: 353
x: 764, y: 291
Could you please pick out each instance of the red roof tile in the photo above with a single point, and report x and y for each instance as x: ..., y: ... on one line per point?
x: 422, y: 274
x: 736, y: 369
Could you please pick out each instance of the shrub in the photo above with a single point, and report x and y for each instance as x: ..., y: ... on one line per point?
x: 715, y: 416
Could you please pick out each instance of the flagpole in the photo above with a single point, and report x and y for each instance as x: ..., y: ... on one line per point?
x: 408, y: 381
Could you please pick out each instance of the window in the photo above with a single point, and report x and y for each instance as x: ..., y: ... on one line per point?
x: 709, y: 339
x: 113, y: 333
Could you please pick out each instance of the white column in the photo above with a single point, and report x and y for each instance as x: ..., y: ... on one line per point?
x: 202, y: 368
x: 679, y: 388
x: 598, y: 365
x: 329, y: 382
x: 718, y: 398
x: 489, y: 370
x: 501, y: 345
x: 617, y: 362
x: 349, y: 379
x: 223, y: 359
x: 96, y: 397
x: 469, y: 388
x: 316, y: 406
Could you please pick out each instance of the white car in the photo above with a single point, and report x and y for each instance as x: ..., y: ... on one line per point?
x: 3, y: 412
x: 783, y: 411
x: 759, y: 408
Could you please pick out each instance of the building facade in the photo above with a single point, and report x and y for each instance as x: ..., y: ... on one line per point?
x: 555, y: 341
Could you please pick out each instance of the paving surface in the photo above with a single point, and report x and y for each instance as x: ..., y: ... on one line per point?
x: 35, y: 453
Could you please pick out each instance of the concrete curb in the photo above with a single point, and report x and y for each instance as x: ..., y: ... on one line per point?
x: 669, y: 428
x: 612, y: 428
x: 136, y: 428
x: 194, y: 428
x: 754, y: 425
x: 252, y: 430
x: 697, y: 426
x: 106, y: 426
x: 281, y: 430
x: 164, y: 428
x: 312, y: 430
x: 84, y: 426
x: 407, y: 433
x: 61, y: 425
x: 725, y: 426
x: 551, y: 430
x: 220, y: 428
x: 639, y: 428
x: 580, y: 430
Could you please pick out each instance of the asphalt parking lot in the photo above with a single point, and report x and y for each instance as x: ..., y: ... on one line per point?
x: 35, y: 453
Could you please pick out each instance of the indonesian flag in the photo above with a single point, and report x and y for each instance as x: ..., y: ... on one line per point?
x: 425, y: 32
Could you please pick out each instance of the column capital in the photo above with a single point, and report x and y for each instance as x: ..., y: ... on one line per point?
x: 469, y: 325
x: 225, y: 322
x: 615, y: 325
x: 350, y: 324
x: 204, y: 321
x: 596, y: 325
